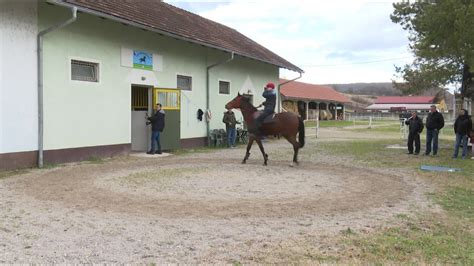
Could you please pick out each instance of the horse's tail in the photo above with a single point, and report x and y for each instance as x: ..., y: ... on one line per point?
x: 301, y: 132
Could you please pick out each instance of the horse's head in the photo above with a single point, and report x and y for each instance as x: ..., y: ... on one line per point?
x: 236, y: 103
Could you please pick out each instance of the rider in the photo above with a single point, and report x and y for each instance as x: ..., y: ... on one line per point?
x: 269, y: 94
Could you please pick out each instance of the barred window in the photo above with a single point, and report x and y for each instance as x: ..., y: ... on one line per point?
x: 84, y: 71
x: 184, y: 82
x: 224, y: 87
x: 169, y: 98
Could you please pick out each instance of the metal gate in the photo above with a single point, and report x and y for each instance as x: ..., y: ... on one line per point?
x: 170, y: 100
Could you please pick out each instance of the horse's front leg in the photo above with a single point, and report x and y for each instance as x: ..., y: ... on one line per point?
x: 249, y: 145
x: 265, y: 156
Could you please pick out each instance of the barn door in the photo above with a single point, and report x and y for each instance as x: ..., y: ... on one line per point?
x: 141, y: 99
x: 170, y: 101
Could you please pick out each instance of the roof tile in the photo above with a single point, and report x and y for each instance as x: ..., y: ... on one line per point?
x: 404, y: 99
x: 178, y: 22
x: 309, y: 91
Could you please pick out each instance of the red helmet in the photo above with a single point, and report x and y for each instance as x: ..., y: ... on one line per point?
x: 270, y: 85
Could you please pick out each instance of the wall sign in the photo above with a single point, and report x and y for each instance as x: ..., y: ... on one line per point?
x: 142, y: 60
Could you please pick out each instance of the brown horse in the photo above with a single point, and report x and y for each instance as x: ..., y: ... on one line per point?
x: 286, y: 124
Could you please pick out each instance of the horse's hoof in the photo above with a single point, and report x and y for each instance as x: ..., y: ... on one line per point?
x: 243, y: 162
x: 291, y: 165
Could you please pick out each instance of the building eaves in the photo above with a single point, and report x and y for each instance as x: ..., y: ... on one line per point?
x: 165, y: 19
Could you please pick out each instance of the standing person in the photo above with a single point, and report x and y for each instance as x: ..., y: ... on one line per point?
x: 472, y: 143
x: 230, y: 122
x: 462, y: 128
x: 269, y: 94
x: 415, y: 126
x: 434, y: 123
x: 157, y: 122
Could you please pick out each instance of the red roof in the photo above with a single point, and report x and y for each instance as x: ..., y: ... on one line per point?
x: 309, y: 91
x: 166, y: 19
x: 405, y: 99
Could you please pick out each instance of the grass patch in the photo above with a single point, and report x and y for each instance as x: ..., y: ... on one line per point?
x: 395, y: 128
x: 376, y: 154
x: 446, y: 239
x: 7, y: 174
x: 161, y: 175
x: 348, y: 123
x: 51, y: 165
x: 334, y: 123
x: 95, y: 160
x: 458, y: 201
x: 425, y: 240
x: 203, y: 149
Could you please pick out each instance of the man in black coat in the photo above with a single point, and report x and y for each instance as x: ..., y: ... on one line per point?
x: 157, y: 122
x: 434, y: 123
x: 415, y: 127
x: 462, y: 128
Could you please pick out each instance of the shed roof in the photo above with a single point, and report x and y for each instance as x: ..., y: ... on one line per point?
x: 175, y: 22
x: 404, y: 99
x: 300, y: 90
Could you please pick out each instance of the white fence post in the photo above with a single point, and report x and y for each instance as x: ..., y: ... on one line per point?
x: 403, y: 128
x: 370, y: 121
x: 317, y: 126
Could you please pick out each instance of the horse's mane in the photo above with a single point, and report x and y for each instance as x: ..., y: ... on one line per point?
x: 247, y: 105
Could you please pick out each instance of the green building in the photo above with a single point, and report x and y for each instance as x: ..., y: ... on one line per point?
x: 104, y: 70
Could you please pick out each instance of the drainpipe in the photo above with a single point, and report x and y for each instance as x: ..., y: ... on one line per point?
x: 40, y: 80
x: 281, y: 84
x: 208, y: 94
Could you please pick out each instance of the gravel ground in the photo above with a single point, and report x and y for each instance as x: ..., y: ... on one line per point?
x: 198, y: 208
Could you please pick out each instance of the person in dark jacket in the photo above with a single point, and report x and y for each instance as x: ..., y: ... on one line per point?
x: 415, y: 127
x: 462, y: 128
x: 269, y: 94
x: 434, y: 123
x: 157, y: 122
x: 230, y: 122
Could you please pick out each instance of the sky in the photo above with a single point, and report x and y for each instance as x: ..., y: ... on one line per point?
x: 333, y: 41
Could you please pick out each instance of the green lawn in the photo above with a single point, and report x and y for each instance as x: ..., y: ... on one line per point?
x: 439, y: 238
x: 347, y: 123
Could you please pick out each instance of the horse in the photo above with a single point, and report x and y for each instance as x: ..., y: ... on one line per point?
x: 286, y: 124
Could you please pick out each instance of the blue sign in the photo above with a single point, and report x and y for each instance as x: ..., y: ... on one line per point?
x: 142, y: 60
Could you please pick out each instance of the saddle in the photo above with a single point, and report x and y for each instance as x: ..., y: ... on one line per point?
x: 268, y: 119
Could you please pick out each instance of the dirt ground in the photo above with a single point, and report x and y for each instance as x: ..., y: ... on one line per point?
x: 201, y: 207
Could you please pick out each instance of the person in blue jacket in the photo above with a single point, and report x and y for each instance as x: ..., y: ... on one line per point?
x: 269, y: 94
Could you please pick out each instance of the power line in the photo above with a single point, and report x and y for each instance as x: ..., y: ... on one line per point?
x: 358, y: 63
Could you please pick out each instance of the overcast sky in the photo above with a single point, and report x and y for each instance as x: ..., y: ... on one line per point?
x: 332, y: 41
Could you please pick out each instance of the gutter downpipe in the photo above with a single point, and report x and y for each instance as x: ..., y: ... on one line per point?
x: 281, y: 84
x: 208, y: 89
x: 40, y: 80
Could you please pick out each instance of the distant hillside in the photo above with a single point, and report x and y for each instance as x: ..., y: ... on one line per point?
x: 374, y: 89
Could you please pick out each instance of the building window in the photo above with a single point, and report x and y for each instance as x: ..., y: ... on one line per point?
x: 168, y: 98
x: 84, y: 71
x: 184, y: 82
x: 224, y: 87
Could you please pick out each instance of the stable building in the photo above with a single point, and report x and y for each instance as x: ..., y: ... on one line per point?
x: 78, y: 77
x: 387, y: 104
x: 313, y: 101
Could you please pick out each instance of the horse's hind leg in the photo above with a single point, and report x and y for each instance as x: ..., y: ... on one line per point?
x: 265, y: 156
x: 249, y: 145
x: 296, y: 147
